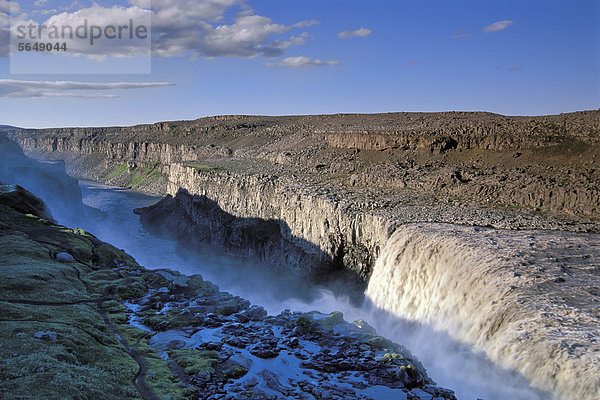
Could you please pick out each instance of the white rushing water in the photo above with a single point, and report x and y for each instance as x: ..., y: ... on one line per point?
x: 523, y: 298
x: 451, y: 363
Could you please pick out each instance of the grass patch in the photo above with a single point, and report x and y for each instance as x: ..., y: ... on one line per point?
x: 195, y: 361
x: 147, y: 173
x: 122, y: 168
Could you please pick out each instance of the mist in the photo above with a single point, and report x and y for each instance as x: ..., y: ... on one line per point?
x: 47, y: 180
x: 107, y: 213
x: 449, y: 363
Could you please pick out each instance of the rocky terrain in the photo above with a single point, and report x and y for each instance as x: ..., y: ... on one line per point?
x: 320, y: 194
x: 81, y: 319
x: 344, y: 183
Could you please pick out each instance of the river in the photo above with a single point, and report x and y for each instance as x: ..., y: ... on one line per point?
x: 449, y: 363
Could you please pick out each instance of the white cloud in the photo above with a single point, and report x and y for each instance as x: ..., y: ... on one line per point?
x: 362, y: 32
x: 292, y: 41
x: 247, y: 37
x: 9, y: 6
x: 301, y: 61
x: 141, y: 3
x: 186, y: 28
x: 194, y: 28
x: 498, y: 26
x: 27, y: 89
x: 104, y: 17
x: 305, y: 24
x: 40, y: 3
x: 71, y: 6
x: 65, y: 27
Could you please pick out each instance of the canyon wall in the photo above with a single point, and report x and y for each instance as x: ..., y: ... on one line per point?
x: 314, y: 223
x: 340, y: 184
x: 319, y: 226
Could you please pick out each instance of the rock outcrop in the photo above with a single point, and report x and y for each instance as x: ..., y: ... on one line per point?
x: 81, y: 319
x: 341, y: 184
x: 23, y: 201
x: 198, y: 219
x: 338, y: 187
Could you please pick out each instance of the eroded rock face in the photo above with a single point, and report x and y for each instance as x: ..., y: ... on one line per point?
x: 81, y: 319
x: 548, y: 163
x: 199, y: 219
x: 343, y: 183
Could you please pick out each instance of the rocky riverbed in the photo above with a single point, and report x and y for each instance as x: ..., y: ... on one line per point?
x: 339, y: 187
x: 82, y: 319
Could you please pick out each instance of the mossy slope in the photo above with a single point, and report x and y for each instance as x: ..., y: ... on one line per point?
x: 63, y: 332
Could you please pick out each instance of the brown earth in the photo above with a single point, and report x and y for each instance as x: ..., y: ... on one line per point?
x: 546, y: 164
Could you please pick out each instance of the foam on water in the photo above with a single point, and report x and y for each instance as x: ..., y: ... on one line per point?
x: 434, y: 294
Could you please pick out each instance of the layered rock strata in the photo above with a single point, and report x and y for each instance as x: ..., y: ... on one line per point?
x: 81, y: 319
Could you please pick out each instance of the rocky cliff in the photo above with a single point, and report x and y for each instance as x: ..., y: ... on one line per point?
x: 340, y: 184
x: 336, y: 188
x: 47, y: 179
x: 81, y: 319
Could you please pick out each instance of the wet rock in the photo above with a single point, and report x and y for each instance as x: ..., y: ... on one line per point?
x: 264, y: 350
x: 242, y: 317
x: 213, y: 346
x: 46, y: 335
x: 363, y: 325
x: 437, y: 391
x: 256, y: 313
x: 176, y: 344
x: 64, y: 257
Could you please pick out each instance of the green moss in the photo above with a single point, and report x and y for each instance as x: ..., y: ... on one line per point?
x: 86, y: 360
x: 76, y: 365
x: 380, y: 343
x: 228, y: 307
x: 304, y: 321
x: 393, y: 356
x: 201, y: 287
x: 82, y: 316
x: 159, y: 376
x: 235, y: 373
x: 118, y: 171
x: 194, y: 361
x: 154, y: 278
x: 332, y: 320
x: 142, y: 174
x: 24, y: 278
x: 168, y: 320
x: 108, y: 282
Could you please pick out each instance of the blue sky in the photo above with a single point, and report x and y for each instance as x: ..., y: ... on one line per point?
x: 510, y: 57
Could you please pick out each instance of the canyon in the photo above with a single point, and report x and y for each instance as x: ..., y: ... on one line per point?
x: 430, y: 212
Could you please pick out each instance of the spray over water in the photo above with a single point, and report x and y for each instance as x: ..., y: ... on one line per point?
x: 484, y: 288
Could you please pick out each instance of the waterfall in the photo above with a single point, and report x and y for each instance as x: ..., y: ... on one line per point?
x: 475, y: 284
